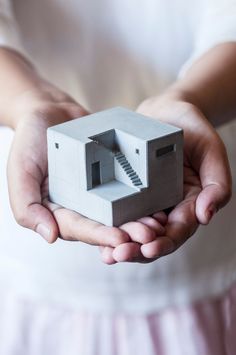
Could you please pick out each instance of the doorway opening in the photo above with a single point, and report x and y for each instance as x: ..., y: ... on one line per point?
x: 96, y: 174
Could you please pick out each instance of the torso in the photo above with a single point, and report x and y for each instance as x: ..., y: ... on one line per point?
x: 109, y: 53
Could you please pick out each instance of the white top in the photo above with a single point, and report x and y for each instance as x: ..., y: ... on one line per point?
x: 116, y: 53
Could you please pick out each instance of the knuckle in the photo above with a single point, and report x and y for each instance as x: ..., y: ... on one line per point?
x: 188, y: 106
x: 77, y: 110
x: 146, y: 233
x: 146, y: 106
x: 21, y: 218
x: 118, y: 236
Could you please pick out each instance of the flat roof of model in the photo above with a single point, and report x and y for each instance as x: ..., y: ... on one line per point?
x: 119, y: 118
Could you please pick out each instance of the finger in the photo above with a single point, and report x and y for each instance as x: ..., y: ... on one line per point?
x: 152, y: 224
x: 106, y: 255
x: 131, y: 252
x: 158, y: 248
x: 216, y: 182
x: 161, y: 217
x: 25, y: 199
x: 209, y: 201
x: 139, y: 232
x: 182, y: 222
x: 74, y: 226
x: 127, y: 252
x: 75, y: 110
x: 178, y: 230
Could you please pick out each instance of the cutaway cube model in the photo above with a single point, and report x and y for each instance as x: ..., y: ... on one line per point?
x: 115, y: 166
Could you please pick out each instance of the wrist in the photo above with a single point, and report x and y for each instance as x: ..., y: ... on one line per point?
x: 23, y: 92
x: 41, y: 103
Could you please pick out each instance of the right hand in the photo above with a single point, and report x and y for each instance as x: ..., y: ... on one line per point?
x: 207, y: 180
x: 35, y: 111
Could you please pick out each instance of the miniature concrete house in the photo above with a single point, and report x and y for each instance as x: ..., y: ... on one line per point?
x: 115, y: 166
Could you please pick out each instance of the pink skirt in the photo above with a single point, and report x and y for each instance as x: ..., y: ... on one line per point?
x: 204, y: 328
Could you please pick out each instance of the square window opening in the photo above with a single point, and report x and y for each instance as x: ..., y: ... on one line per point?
x: 165, y: 150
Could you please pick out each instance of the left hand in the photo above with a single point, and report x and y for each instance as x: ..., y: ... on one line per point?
x: 33, y: 112
x: 207, y: 181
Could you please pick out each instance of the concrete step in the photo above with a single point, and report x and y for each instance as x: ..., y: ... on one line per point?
x: 136, y: 179
x: 126, y: 165
x: 132, y: 174
x: 128, y: 169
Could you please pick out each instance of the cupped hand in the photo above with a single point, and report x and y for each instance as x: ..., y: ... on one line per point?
x: 207, y: 181
x: 28, y: 173
x: 27, y: 169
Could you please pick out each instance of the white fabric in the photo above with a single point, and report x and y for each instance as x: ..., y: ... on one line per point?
x: 31, y: 328
x: 108, y: 53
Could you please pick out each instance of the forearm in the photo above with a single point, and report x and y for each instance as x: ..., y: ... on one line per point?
x: 210, y: 84
x: 17, y: 76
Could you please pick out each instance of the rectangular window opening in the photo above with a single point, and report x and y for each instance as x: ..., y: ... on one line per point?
x: 165, y: 150
x: 96, y: 175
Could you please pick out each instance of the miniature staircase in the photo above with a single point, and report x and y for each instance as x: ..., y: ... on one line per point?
x: 120, y: 157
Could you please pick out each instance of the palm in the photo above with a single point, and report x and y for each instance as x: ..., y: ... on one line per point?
x: 28, y: 183
x: 207, y: 181
x: 181, y: 224
x: 182, y: 220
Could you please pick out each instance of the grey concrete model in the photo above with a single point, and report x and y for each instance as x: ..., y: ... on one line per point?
x: 115, y: 166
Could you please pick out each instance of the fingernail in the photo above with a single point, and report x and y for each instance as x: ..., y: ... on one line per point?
x: 44, y: 231
x: 210, y: 212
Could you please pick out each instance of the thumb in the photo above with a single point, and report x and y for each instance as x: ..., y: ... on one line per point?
x: 26, y: 198
x: 216, y: 181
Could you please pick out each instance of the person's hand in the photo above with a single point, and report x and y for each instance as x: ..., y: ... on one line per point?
x: 28, y: 180
x: 27, y: 172
x: 207, y: 181
x: 144, y: 234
